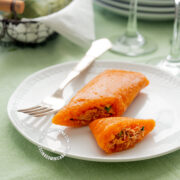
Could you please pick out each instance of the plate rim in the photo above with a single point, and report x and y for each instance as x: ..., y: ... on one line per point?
x: 151, y: 2
x: 78, y: 156
x: 140, y: 7
x: 140, y: 15
x: 139, y: 11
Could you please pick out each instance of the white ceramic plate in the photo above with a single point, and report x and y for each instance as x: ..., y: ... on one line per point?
x: 141, y: 14
x: 152, y: 2
x: 160, y: 101
x: 142, y: 7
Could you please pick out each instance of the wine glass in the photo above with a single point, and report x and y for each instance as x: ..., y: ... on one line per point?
x: 132, y: 43
x: 172, y: 62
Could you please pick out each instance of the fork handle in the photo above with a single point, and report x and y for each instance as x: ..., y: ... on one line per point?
x: 97, y: 48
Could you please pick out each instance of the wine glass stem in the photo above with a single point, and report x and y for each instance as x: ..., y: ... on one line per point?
x: 132, y: 19
x: 175, y: 46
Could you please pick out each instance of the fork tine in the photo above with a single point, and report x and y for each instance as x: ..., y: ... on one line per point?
x: 27, y: 109
x: 40, y: 108
x: 40, y: 112
x: 46, y: 113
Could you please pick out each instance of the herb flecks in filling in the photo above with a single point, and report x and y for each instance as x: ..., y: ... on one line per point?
x: 107, y: 108
x: 126, y: 138
x: 142, y: 129
x: 120, y: 134
x: 94, y: 113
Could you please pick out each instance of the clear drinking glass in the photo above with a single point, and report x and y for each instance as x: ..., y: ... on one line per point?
x: 172, y: 62
x: 132, y: 43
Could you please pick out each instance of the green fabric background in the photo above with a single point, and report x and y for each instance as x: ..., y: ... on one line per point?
x: 19, y: 159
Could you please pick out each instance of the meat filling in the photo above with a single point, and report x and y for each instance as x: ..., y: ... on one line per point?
x: 127, y: 138
x: 95, y: 113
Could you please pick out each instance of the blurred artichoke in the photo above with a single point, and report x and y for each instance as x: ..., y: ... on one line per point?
x: 37, y: 8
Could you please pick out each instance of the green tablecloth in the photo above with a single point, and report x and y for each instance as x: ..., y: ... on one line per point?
x: 19, y: 159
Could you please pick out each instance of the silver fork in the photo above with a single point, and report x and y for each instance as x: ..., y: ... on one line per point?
x: 55, y: 102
